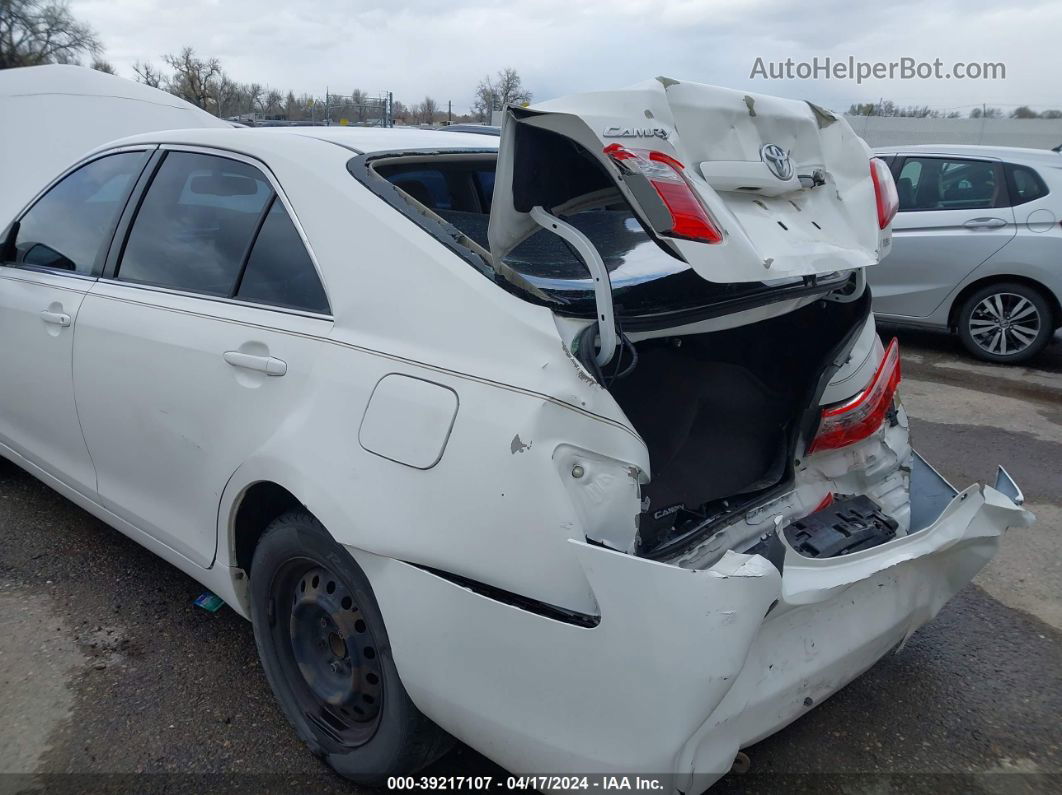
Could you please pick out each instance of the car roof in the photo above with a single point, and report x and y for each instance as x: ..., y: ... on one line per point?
x: 361, y: 140
x: 1011, y: 153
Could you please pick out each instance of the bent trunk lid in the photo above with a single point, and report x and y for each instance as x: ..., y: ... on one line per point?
x: 816, y: 217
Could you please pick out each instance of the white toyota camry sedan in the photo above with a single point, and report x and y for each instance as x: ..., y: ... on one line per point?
x: 578, y: 445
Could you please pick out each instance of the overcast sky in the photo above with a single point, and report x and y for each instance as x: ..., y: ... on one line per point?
x: 415, y: 47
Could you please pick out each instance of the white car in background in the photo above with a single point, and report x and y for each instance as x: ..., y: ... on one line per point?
x: 977, y: 247
x: 578, y: 445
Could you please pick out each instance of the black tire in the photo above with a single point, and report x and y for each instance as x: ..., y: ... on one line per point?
x: 325, y: 653
x: 1005, y: 322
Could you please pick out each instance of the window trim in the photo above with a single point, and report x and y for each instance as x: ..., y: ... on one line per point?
x: 1012, y: 187
x: 362, y: 167
x: 98, y: 263
x: 132, y: 209
x: 1002, y: 199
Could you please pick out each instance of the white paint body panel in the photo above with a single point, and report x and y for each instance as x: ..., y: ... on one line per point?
x: 166, y: 418
x: 681, y: 670
x: 39, y: 418
x: 408, y: 420
x: 768, y: 234
x: 702, y: 673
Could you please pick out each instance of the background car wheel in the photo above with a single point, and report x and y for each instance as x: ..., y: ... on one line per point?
x: 324, y: 650
x: 1006, y: 322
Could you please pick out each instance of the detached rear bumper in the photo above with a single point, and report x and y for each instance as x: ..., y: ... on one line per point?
x: 685, y: 666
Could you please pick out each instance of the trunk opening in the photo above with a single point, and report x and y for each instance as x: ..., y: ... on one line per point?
x: 724, y: 413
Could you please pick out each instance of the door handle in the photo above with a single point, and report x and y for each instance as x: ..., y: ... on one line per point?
x: 985, y: 223
x: 270, y: 365
x: 55, y: 318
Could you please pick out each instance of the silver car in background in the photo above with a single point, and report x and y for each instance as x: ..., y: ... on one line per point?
x: 977, y: 247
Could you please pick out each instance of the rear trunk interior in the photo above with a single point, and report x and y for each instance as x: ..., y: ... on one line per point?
x: 722, y: 414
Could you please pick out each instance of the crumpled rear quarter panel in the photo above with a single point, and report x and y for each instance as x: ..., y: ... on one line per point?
x: 686, y: 666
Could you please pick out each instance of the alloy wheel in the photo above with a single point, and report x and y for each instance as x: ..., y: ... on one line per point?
x: 1004, y: 324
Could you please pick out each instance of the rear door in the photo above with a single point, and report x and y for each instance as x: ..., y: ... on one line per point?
x: 744, y: 188
x: 195, y: 346
x: 953, y: 216
x: 53, y: 254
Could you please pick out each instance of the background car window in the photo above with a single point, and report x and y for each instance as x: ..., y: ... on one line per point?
x: 195, y: 224
x: 68, y: 226
x: 933, y: 183
x: 280, y: 271
x: 1025, y: 184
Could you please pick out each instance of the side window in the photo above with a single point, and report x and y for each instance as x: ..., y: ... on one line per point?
x: 195, y: 224
x: 933, y: 183
x: 427, y: 186
x: 279, y: 270
x: 907, y: 182
x: 70, y: 224
x: 1024, y: 184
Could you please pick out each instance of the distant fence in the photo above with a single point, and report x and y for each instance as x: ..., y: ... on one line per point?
x: 897, y: 130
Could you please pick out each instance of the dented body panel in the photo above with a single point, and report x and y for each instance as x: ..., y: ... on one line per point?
x: 773, y: 227
x: 447, y: 433
x: 724, y: 656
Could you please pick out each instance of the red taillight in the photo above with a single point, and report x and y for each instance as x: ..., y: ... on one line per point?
x: 689, y: 218
x: 857, y: 418
x: 888, y: 200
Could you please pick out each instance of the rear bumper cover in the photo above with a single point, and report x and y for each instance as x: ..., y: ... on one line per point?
x: 685, y: 666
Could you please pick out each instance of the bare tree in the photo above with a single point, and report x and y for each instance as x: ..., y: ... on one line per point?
x: 101, y: 65
x: 34, y: 32
x: 193, y: 77
x: 358, y: 100
x: 399, y: 112
x: 273, y: 100
x: 226, y: 96
x: 252, y: 95
x: 149, y: 75
x: 497, y: 93
x: 986, y: 113
x: 426, y: 111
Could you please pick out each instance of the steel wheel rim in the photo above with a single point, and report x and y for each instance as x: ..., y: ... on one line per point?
x: 328, y: 653
x: 1004, y: 324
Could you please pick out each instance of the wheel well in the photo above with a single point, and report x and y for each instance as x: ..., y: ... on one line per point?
x: 968, y: 290
x: 261, y: 504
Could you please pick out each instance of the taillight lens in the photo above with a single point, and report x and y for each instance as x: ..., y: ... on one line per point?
x: 888, y: 200
x: 689, y: 218
x: 859, y: 417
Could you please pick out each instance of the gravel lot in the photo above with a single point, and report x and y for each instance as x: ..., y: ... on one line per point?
x: 108, y: 672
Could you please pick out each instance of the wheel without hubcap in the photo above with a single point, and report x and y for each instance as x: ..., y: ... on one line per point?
x: 325, y: 651
x: 332, y: 652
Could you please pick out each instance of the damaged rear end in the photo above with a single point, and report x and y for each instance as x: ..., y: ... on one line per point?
x: 773, y: 534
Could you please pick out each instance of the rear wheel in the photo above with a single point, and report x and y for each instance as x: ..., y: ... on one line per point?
x: 324, y: 650
x: 1007, y: 322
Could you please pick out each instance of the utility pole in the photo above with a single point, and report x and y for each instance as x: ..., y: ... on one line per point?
x: 449, y: 111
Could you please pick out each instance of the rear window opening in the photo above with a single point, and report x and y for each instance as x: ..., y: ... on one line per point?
x: 450, y: 195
